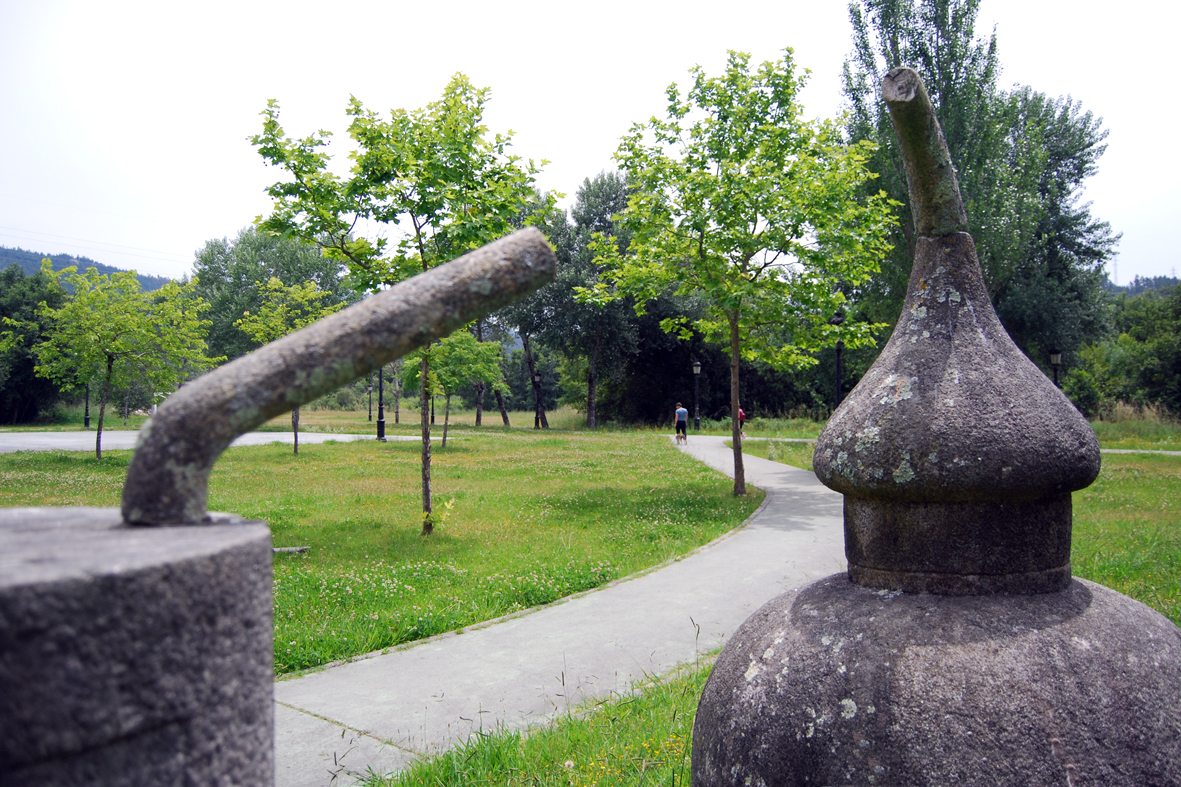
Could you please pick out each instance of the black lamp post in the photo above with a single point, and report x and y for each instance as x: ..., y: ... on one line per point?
x: 697, y: 396
x: 1055, y: 359
x: 381, y: 403
x: 369, y: 390
x: 837, y: 319
x: 86, y: 417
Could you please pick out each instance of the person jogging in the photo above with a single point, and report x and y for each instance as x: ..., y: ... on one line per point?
x: 681, y: 421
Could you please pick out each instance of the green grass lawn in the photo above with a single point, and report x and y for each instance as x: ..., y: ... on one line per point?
x: 531, y: 517
x: 794, y: 454
x: 112, y: 422
x: 538, y: 515
x: 1127, y: 530
x: 1139, y: 434
x: 644, y: 739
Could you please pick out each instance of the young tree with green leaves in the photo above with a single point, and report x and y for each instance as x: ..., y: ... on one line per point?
x: 283, y: 310
x: 458, y: 360
x: 432, y: 178
x: 740, y: 201
x: 108, y: 329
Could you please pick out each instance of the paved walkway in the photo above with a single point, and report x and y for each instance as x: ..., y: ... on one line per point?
x: 382, y: 711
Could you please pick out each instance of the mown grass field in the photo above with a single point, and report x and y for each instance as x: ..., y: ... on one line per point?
x: 1145, y: 434
x: 530, y: 517
x: 644, y: 739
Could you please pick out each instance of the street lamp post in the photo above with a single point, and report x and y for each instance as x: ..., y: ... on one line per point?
x: 839, y: 392
x: 1055, y: 359
x: 697, y: 396
x: 86, y: 417
x: 837, y: 319
x: 369, y: 390
x: 381, y: 403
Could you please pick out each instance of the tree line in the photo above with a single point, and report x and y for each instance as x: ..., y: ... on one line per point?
x: 734, y: 234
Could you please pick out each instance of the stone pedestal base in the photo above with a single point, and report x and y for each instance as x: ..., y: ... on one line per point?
x: 134, y: 656
x: 840, y: 684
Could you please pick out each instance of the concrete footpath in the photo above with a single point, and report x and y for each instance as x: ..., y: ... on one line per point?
x: 382, y: 711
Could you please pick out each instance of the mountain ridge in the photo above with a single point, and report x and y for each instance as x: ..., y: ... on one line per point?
x: 30, y: 263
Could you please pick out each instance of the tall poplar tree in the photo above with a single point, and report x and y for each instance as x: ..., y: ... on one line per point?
x: 1021, y: 160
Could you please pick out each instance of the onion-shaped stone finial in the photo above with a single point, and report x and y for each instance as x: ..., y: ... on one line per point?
x: 955, y: 454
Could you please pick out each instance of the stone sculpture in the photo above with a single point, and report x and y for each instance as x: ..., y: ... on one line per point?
x: 135, y: 647
x: 957, y: 649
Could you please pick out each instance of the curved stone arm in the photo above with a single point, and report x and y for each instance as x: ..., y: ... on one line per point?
x: 930, y: 175
x: 168, y: 481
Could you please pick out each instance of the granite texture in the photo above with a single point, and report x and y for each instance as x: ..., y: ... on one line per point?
x: 952, y: 410
x: 840, y: 684
x: 133, y: 656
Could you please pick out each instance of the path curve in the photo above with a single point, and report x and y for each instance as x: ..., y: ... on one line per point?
x: 383, y: 711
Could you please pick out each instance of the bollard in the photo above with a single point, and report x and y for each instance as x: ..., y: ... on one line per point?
x: 957, y: 649
x: 135, y: 645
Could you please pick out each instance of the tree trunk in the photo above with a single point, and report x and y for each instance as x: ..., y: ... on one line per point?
x: 735, y: 431
x: 446, y: 419
x: 480, y: 386
x: 500, y: 404
x: 102, y: 408
x: 424, y: 388
x: 539, y: 421
x: 295, y: 428
x: 397, y: 374
x: 591, y: 391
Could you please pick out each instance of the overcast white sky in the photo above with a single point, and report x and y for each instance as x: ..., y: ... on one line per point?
x: 124, y: 124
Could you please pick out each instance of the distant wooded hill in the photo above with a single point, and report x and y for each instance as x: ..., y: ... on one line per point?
x: 1143, y: 284
x: 30, y: 262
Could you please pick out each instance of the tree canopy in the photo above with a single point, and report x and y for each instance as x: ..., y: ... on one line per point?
x: 23, y: 394
x: 109, y: 330
x: 431, y: 176
x: 457, y: 361
x: 227, y: 273
x: 737, y: 199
